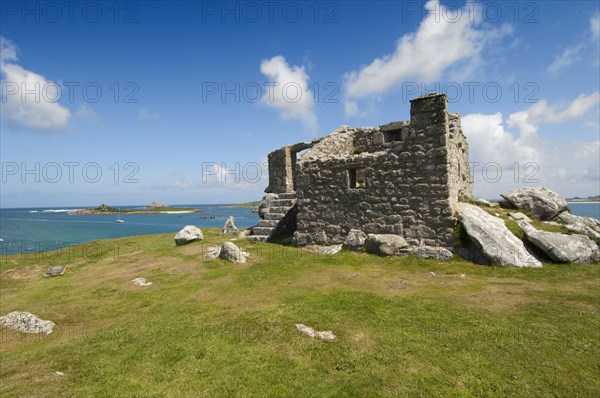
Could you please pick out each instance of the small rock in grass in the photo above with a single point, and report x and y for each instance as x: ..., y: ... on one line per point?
x: 26, y: 322
x: 229, y: 228
x: 229, y: 251
x: 188, y: 234
x: 141, y: 282
x: 324, y: 335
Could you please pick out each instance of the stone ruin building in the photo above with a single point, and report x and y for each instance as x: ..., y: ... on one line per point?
x: 401, y: 178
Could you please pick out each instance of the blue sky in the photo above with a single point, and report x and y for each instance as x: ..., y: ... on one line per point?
x: 180, y: 102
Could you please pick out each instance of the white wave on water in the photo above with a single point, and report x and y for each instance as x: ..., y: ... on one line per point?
x: 59, y: 210
x: 33, y: 211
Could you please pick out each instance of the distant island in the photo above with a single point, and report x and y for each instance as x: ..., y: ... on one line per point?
x: 155, y: 204
x: 588, y: 199
x: 105, y: 209
x: 247, y: 204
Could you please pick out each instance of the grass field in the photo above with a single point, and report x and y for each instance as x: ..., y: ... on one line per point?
x: 405, y: 326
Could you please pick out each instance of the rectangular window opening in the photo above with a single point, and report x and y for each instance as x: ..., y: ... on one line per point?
x: 392, y: 136
x: 356, y: 178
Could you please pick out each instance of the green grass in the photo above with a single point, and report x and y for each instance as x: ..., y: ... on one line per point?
x: 213, y: 328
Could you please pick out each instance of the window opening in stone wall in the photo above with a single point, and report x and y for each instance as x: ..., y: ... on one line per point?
x: 356, y: 178
x: 392, y: 136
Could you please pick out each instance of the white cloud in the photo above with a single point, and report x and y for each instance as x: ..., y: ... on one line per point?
x: 569, y: 56
x: 444, y: 40
x: 573, y: 54
x: 291, y: 96
x: 587, y: 150
x: 490, y: 142
x: 528, y: 120
x: 527, y: 159
x: 595, y: 26
x: 36, y: 112
x: 87, y: 114
x: 145, y: 114
x: 351, y: 108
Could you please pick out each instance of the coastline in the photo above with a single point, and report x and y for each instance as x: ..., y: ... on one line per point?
x: 92, y: 212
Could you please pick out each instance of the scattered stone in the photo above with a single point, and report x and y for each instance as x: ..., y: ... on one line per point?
x: 519, y: 216
x: 56, y: 270
x: 188, y: 234
x: 539, y: 201
x: 463, y: 276
x: 26, y: 322
x: 244, y: 233
x: 385, y: 244
x: 438, y: 253
x: 490, y: 235
x: 327, y: 335
x: 329, y: 250
x: 561, y: 247
x: 584, y: 225
x: 229, y: 251
x: 212, y: 252
x: 59, y: 373
x: 229, y: 228
x: 141, y: 282
x: 431, y: 273
x: 483, y: 202
x: 307, y: 330
x: 355, y: 241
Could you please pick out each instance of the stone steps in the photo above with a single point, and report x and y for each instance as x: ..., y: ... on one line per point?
x: 287, y: 195
x: 283, y: 202
x: 263, y: 230
x: 272, y: 217
x: 279, y: 209
x: 268, y: 223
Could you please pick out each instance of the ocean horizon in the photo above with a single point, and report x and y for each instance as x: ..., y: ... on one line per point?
x: 38, y: 229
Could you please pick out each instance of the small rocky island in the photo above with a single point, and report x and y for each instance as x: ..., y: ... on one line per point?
x: 105, y: 209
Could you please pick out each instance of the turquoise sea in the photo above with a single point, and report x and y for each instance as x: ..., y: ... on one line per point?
x: 45, y: 229
x: 28, y: 230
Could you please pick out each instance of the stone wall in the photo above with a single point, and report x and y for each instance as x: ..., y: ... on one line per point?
x: 400, y: 178
x: 280, y: 171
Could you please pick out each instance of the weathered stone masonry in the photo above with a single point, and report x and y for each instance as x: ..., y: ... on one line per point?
x: 399, y: 178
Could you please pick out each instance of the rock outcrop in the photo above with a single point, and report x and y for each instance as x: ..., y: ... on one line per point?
x: 26, y: 322
x: 483, y: 202
x: 539, y: 201
x: 493, y: 238
x: 519, y: 216
x: 229, y: 251
x: 188, y: 234
x: 229, y: 228
x: 438, y: 253
x: 355, y: 241
x: 385, y: 244
x: 328, y: 250
x: 582, y: 225
x: 562, y: 248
